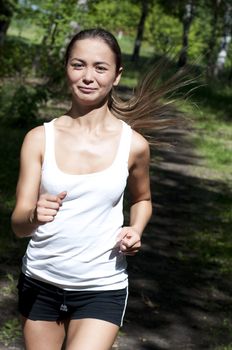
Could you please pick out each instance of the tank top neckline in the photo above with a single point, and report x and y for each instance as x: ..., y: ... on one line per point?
x: 95, y: 173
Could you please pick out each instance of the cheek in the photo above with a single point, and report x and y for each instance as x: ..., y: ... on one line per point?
x: 72, y: 77
x: 108, y: 80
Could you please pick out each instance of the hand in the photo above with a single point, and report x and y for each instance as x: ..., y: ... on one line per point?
x: 129, y: 241
x: 46, y: 208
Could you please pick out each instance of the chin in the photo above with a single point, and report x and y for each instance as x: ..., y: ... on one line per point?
x: 88, y: 100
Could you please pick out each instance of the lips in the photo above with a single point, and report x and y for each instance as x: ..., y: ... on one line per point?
x: 86, y: 90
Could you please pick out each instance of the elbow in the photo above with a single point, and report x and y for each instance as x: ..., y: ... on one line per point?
x: 145, y: 203
x: 16, y: 227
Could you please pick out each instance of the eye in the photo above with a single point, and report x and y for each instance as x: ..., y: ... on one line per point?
x: 101, y: 69
x: 77, y: 65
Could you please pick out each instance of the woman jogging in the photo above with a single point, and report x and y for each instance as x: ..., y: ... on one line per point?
x: 73, y: 174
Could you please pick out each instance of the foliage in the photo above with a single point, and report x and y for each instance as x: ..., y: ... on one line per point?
x: 115, y: 16
x: 53, y: 16
x: 53, y: 22
x: 6, y: 13
x: 17, y: 57
x: 10, y: 331
x: 19, y: 104
x: 10, y: 287
x: 163, y: 31
x: 7, y: 8
x: 198, y: 38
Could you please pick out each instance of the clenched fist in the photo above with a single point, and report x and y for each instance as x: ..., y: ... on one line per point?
x: 46, y: 208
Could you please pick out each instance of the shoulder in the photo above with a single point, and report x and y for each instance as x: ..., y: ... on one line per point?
x: 36, y: 134
x: 35, y: 139
x: 140, y: 150
x: 139, y: 145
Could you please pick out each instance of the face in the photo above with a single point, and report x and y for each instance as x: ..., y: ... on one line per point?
x: 91, y: 71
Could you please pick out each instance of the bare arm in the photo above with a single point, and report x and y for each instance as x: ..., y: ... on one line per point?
x: 139, y: 187
x: 32, y: 210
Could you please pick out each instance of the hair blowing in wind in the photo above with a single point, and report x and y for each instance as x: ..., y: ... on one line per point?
x: 152, y: 105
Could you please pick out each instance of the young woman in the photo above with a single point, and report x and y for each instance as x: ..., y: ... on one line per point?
x: 73, y: 173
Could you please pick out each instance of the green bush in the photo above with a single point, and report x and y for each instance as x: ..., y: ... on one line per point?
x: 19, y: 105
x: 16, y: 57
x: 21, y: 58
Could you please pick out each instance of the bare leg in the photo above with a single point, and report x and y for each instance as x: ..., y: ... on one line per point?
x: 43, y: 335
x: 91, y: 334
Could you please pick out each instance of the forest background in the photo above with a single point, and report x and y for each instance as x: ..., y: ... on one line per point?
x: 190, y: 34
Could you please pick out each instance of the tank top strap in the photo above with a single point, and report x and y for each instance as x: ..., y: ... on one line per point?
x: 125, y: 143
x: 49, y: 153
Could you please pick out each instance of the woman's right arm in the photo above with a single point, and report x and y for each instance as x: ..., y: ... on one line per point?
x: 32, y: 209
x: 28, y: 183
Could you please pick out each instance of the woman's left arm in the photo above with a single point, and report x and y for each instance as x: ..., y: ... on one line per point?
x: 139, y: 188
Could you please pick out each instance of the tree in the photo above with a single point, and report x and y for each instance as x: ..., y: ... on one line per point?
x: 140, y: 30
x: 216, y: 4
x: 55, y: 17
x: 116, y: 16
x: 7, y: 8
x: 184, y: 10
x: 225, y: 40
x: 186, y: 20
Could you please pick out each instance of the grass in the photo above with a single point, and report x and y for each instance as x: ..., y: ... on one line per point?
x: 217, y: 151
x: 10, y: 326
x: 213, y: 136
x: 10, y: 331
x: 20, y: 29
x: 209, y: 230
x: 127, y: 46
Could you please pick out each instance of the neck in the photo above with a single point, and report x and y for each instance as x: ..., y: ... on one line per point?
x: 89, y: 116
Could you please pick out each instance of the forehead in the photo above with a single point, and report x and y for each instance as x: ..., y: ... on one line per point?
x: 92, y: 49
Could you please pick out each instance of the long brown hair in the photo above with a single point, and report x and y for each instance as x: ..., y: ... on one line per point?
x: 151, y: 106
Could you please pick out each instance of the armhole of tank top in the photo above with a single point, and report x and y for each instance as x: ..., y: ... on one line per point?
x: 49, y: 144
x: 125, y: 144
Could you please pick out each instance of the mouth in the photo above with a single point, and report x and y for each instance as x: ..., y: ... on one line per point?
x: 86, y: 90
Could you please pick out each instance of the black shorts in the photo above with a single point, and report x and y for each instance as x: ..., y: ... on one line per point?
x: 45, y: 302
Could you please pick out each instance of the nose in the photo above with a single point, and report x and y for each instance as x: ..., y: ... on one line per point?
x: 88, y: 76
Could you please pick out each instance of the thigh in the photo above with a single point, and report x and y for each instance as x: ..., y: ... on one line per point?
x: 43, y: 335
x: 91, y: 334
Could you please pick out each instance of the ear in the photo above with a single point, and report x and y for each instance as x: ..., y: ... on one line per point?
x: 118, y: 77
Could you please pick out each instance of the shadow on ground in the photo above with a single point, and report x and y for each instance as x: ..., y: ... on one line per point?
x: 178, y: 300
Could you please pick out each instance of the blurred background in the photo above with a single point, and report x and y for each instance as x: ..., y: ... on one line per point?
x: 182, y: 278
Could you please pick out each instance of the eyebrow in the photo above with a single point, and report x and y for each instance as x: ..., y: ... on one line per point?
x: 83, y: 61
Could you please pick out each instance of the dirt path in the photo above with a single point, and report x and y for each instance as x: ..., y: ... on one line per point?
x: 175, y: 303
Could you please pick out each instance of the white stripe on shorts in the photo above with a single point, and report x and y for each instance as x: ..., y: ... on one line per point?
x: 124, y: 310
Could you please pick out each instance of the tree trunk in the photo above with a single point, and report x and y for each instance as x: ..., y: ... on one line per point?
x: 140, y: 30
x: 4, y: 25
x: 187, y: 20
x: 213, y: 36
x: 225, y: 40
x: 6, y: 13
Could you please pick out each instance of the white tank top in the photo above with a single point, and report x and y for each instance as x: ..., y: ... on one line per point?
x: 79, y: 250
